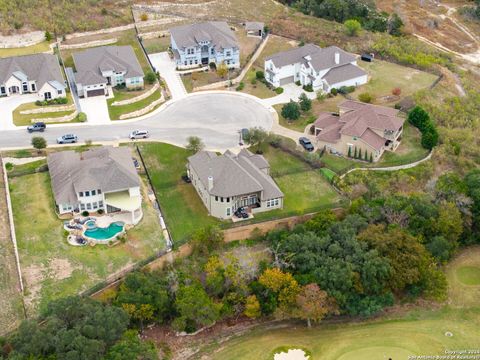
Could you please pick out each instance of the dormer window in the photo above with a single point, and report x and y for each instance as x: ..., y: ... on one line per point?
x: 212, y: 51
x: 25, y: 86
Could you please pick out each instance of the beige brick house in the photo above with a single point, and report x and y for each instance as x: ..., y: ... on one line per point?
x: 370, y: 129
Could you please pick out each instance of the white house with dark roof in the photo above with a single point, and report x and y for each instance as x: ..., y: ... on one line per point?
x: 38, y: 73
x: 204, y: 43
x: 323, y: 68
x: 98, y: 179
x: 227, y: 182
x: 360, y: 128
x: 100, y: 67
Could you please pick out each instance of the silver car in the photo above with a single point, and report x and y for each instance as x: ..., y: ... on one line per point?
x: 138, y: 134
x: 67, y: 139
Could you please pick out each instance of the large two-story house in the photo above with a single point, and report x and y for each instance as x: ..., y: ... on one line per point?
x: 360, y: 128
x: 98, y: 179
x: 322, y: 68
x: 38, y: 73
x: 227, y: 182
x: 104, y: 66
x: 204, y: 43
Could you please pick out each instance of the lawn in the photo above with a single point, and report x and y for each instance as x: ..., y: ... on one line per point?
x: 50, y: 267
x: 116, y: 111
x: 385, y: 76
x: 156, y: 45
x: 26, y: 119
x: 419, y: 332
x: 34, y: 49
x: 182, y: 208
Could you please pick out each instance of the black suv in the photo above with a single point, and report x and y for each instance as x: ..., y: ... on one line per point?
x: 39, y: 126
x: 306, y: 143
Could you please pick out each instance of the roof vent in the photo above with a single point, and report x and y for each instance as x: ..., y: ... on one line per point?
x: 210, y: 183
x: 337, y: 58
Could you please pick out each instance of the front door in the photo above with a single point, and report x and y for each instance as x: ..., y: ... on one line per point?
x: 14, y: 90
x: 48, y: 95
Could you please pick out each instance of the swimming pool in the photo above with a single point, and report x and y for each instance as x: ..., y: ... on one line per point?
x: 104, y: 234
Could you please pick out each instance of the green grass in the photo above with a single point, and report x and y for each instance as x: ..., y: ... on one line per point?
x: 300, y: 124
x: 259, y: 89
x: 156, y: 45
x: 418, y: 332
x: 116, y: 111
x: 28, y: 168
x: 34, y: 49
x: 469, y: 275
x: 52, y: 268
x: 183, y: 210
x: 462, y: 274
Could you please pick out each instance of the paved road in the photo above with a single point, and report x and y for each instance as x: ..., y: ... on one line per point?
x: 214, y: 117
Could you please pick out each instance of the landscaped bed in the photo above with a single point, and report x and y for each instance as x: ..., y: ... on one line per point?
x: 50, y: 266
x: 116, y: 112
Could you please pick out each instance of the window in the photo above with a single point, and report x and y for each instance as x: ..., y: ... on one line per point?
x: 185, y: 63
x: 212, y: 51
x: 34, y: 87
x: 89, y: 206
x: 25, y: 86
x: 191, y: 62
x: 228, y: 62
x: 228, y: 211
x: 48, y: 95
x: 80, y: 194
x: 2, y: 90
x: 94, y: 192
x: 99, y: 191
x: 82, y: 207
x: 276, y: 202
x: 87, y: 193
x: 60, y: 92
x: 228, y: 54
x: 100, y: 203
x: 196, y: 62
x: 228, y: 199
x: 221, y: 199
x: 95, y: 205
x: 216, y: 198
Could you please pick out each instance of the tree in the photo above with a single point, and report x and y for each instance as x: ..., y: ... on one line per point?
x: 207, y: 239
x: 305, y: 102
x: 194, y: 144
x: 283, y: 285
x: 195, y: 308
x: 222, y: 70
x: 360, y: 153
x: 371, y: 158
x: 350, y: 151
x: 419, y: 118
x: 449, y: 223
x: 256, y: 137
x: 352, y: 27
x: 131, y: 347
x: 48, y: 36
x: 321, y: 222
x: 150, y: 77
x: 259, y: 75
x: 429, y: 137
x: 39, y: 143
x: 395, y: 25
x: 252, y: 307
x: 314, y: 304
x: 291, y: 111
x: 355, y: 154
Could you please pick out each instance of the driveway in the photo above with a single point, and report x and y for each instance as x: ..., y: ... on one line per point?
x: 10, y: 103
x: 290, y: 92
x: 167, y: 69
x: 214, y: 117
x: 96, y: 109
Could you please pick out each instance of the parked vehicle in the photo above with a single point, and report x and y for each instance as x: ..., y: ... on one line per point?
x: 306, y: 143
x: 186, y: 179
x: 67, y: 139
x: 138, y: 134
x: 38, y: 126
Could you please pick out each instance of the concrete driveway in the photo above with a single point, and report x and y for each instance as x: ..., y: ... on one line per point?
x: 10, y: 103
x: 167, y: 69
x: 96, y: 109
x: 290, y: 92
x: 215, y: 117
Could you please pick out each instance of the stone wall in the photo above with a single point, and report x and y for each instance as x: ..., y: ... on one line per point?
x: 62, y: 119
x: 48, y: 109
x: 90, y: 44
x: 139, y: 97
x: 143, y: 111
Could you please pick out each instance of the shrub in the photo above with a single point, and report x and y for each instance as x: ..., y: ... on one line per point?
x: 9, y: 166
x: 321, y: 96
x: 150, y: 77
x: 38, y: 103
x: 298, y: 83
x: 279, y: 90
x: 222, y: 70
x: 85, y: 213
x: 308, y: 88
x: 430, y: 137
x: 48, y: 36
x: 365, y: 97
x: 334, y: 92
x: 260, y: 75
x: 352, y: 27
x: 291, y: 111
x: 100, y: 211
x: 212, y: 65
x: 82, y: 117
x: 396, y: 91
x: 39, y: 142
x: 419, y: 118
x: 275, y: 141
x: 240, y: 86
x: 305, y: 102
x: 253, y: 81
x: 144, y: 17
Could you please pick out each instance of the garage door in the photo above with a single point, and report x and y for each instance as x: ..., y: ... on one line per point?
x: 96, y: 92
x: 286, y: 80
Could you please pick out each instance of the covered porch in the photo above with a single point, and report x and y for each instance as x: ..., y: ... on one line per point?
x: 122, y: 202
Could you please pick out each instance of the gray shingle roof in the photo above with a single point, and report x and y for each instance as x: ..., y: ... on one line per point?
x: 217, y: 32
x: 234, y: 175
x: 39, y: 67
x: 95, y: 60
x: 254, y: 26
x: 343, y: 73
x: 108, y: 169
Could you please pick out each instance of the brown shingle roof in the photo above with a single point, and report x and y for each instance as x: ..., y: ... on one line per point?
x: 373, y: 139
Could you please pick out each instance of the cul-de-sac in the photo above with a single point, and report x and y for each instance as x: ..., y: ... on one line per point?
x: 225, y: 179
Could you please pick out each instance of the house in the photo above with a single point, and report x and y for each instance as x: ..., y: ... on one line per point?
x: 104, y: 66
x: 204, y: 43
x: 359, y: 128
x: 38, y: 73
x: 322, y: 68
x: 254, y: 28
x: 103, y: 179
x: 227, y: 182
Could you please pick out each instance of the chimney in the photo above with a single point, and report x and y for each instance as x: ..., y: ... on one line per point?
x: 210, y: 183
x: 337, y: 57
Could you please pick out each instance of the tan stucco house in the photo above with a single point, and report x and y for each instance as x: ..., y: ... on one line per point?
x: 227, y: 182
x: 370, y: 129
x: 98, y: 179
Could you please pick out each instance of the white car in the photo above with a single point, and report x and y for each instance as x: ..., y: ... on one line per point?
x: 138, y: 134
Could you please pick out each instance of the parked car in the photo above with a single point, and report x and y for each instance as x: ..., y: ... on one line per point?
x: 241, y: 213
x: 67, y: 139
x: 138, y: 134
x: 186, y: 178
x: 306, y: 143
x: 38, y: 126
